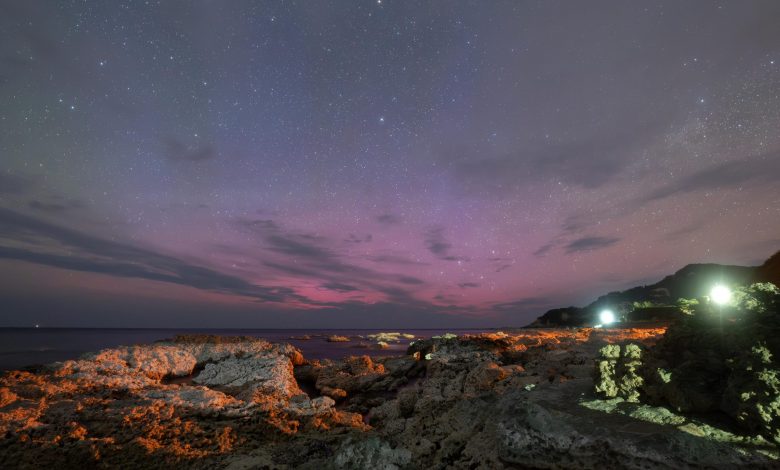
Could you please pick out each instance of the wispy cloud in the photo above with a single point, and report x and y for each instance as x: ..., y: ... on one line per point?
x: 753, y: 170
x: 439, y: 245
x: 388, y: 219
x: 590, y: 161
x: 316, y: 257
x: 590, y: 244
x: 466, y: 285
x: 13, y: 184
x: 42, y: 242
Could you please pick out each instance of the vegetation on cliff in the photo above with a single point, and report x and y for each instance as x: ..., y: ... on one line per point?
x: 714, y: 359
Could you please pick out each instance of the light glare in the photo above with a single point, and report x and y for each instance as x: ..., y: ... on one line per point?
x: 606, y: 316
x: 720, y: 294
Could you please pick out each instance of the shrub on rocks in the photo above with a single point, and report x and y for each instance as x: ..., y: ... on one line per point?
x: 617, y: 372
x: 714, y: 359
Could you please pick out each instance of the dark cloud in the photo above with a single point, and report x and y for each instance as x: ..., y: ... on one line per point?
x: 262, y: 225
x: 54, y: 207
x: 438, y: 244
x: 388, y: 219
x: 300, y: 246
x: 544, y: 249
x: 590, y: 161
x: 339, y: 287
x: 466, y: 285
x: 590, y: 244
x: 11, y: 184
x: 395, y: 259
x: 754, y: 170
x: 316, y: 257
x: 411, y: 280
x: 352, y: 238
x: 50, y: 207
x: 93, y: 254
x: 178, y: 151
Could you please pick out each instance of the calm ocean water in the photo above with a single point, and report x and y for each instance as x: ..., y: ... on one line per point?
x: 20, y: 347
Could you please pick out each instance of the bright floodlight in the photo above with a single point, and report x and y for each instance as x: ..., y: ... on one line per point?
x: 606, y: 316
x: 720, y: 294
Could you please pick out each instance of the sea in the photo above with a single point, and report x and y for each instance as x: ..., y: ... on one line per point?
x: 31, y: 347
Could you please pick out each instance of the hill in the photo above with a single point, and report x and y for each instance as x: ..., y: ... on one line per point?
x: 657, y: 300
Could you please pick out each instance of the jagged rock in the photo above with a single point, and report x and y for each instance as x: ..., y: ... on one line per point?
x: 335, y: 393
x: 353, y: 374
x: 371, y: 453
x: 201, y: 401
x: 153, y: 361
x: 206, y: 349
x: 496, y: 400
x: 253, y: 378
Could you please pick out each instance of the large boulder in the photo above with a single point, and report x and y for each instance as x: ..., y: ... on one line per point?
x: 257, y: 378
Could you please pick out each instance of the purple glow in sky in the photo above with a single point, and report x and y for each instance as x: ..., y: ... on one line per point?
x: 366, y: 164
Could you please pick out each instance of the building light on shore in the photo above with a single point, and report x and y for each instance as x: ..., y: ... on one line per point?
x: 720, y: 294
x: 606, y: 317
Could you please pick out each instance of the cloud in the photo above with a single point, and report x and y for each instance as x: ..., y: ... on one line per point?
x: 54, y: 207
x: 544, y: 249
x: 388, y: 219
x: 339, y: 287
x: 50, y: 207
x: 757, y: 169
x: 395, y: 259
x: 411, y: 280
x: 352, y: 238
x: 590, y: 244
x: 589, y: 161
x: 438, y: 245
x: 300, y: 246
x: 178, y: 151
x: 89, y: 253
x: 466, y: 285
x: 12, y: 184
x: 316, y: 257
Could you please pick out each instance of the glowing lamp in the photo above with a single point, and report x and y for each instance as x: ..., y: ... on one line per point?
x: 606, y: 317
x: 720, y: 294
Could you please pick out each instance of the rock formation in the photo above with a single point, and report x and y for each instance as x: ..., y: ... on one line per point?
x: 491, y: 400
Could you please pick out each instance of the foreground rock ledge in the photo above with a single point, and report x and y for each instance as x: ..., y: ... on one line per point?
x: 519, y: 400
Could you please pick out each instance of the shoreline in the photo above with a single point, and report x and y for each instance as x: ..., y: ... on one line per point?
x: 488, y: 400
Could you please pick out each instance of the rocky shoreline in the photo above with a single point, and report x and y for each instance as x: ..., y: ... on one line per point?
x: 492, y: 400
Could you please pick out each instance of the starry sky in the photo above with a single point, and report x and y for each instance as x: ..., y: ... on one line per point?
x: 376, y: 163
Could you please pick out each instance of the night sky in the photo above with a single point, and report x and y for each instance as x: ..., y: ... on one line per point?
x: 376, y: 163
